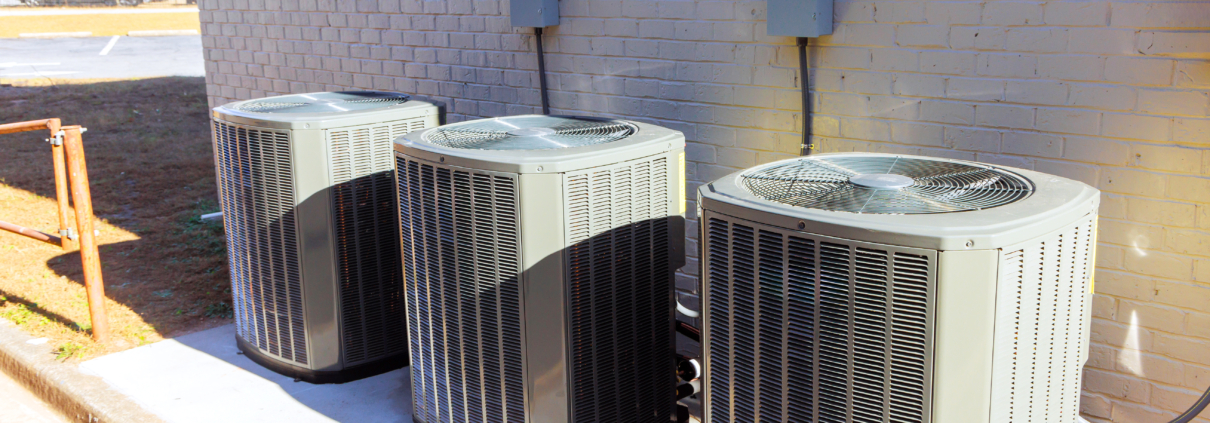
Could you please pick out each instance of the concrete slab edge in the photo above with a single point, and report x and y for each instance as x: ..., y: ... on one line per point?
x: 75, y: 395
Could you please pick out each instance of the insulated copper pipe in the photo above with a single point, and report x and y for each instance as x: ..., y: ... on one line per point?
x: 21, y: 230
x: 93, y: 282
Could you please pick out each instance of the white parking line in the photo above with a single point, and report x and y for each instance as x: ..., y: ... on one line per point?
x: 109, y: 46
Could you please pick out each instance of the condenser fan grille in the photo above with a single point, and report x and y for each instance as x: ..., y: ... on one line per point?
x: 886, y: 185
x: 530, y: 133
x: 330, y: 102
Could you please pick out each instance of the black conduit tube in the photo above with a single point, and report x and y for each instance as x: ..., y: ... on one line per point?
x: 1196, y: 409
x: 806, y: 96
x: 542, y: 72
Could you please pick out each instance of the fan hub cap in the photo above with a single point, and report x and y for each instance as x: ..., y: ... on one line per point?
x: 531, y: 132
x: 882, y: 181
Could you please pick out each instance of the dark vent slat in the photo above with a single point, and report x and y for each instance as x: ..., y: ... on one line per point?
x: 718, y: 367
x: 804, y: 328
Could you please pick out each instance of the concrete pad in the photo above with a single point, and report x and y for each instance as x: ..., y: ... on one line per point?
x: 75, y: 395
x: 201, y: 378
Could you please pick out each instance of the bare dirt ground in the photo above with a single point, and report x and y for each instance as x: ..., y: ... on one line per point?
x: 152, y: 174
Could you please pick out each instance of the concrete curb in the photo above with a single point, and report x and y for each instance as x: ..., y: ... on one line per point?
x: 162, y: 32
x: 77, y: 396
x: 54, y: 35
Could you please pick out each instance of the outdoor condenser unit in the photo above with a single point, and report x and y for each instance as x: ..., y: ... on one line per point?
x: 884, y: 288
x: 306, y: 186
x: 538, y: 255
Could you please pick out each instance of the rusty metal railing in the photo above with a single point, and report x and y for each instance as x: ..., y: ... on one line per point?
x: 71, y: 181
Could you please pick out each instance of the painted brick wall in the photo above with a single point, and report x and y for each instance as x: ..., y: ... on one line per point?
x: 1115, y: 94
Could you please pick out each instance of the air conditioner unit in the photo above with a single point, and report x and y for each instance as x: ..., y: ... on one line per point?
x: 306, y: 186
x: 539, y: 254
x: 887, y: 288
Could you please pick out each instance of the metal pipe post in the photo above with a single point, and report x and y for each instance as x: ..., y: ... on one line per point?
x: 32, y: 125
x: 61, y: 191
x: 35, y: 234
x: 88, y: 244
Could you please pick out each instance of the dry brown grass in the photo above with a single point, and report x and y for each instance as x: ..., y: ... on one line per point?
x: 152, y: 174
x: 98, y: 24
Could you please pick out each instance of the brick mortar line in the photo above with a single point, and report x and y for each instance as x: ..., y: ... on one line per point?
x: 1080, y: 83
x: 75, y: 396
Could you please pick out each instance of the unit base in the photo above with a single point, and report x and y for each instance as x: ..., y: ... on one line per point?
x: 319, y: 377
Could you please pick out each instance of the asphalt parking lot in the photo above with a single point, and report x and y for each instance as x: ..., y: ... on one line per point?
x: 101, y: 57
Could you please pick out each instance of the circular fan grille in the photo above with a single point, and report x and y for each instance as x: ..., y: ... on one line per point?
x: 346, y: 101
x: 530, y: 133
x: 886, y: 185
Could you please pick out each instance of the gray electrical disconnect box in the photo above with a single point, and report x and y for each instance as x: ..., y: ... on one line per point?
x: 800, y: 18
x: 536, y: 13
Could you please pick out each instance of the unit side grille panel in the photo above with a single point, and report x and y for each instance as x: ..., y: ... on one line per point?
x: 620, y: 291
x: 371, y: 285
x: 801, y: 341
x: 910, y: 339
x: 256, y: 183
x: 1043, y: 299
x: 461, y: 262
x: 771, y: 327
x: 718, y: 367
x: 743, y: 322
x: 840, y: 328
x: 870, y: 353
x: 834, y: 338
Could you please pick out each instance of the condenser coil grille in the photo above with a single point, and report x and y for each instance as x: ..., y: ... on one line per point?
x: 256, y: 184
x: 530, y: 133
x: 620, y: 288
x: 328, y: 102
x: 367, y: 257
x: 886, y: 185
x: 804, y: 328
x: 461, y: 258
x: 1037, y: 369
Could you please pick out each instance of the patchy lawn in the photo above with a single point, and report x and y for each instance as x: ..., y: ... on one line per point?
x: 151, y: 167
x: 98, y: 24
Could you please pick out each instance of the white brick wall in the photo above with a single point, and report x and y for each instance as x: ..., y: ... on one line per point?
x: 1113, y: 94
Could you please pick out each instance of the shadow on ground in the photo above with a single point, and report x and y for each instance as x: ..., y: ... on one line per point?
x: 151, y: 171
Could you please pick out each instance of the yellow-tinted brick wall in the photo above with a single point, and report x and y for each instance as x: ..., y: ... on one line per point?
x: 1115, y: 94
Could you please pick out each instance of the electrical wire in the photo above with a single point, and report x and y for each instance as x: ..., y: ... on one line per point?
x: 804, y: 84
x: 542, y: 72
x: 1195, y: 410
